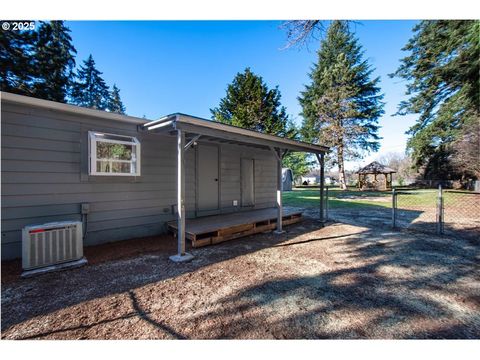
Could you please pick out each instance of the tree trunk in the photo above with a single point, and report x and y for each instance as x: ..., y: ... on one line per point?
x: 341, y: 168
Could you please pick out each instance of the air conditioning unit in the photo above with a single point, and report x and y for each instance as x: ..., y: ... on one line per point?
x: 52, y: 246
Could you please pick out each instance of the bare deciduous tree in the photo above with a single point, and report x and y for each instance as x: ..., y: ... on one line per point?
x: 402, y: 164
x: 299, y: 31
x: 466, y: 151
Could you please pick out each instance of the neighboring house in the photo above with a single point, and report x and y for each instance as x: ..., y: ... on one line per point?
x: 287, y: 179
x: 331, y: 181
x: 133, y: 175
x: 310, y: 179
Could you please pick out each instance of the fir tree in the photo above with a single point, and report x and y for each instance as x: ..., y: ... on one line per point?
x: 442, y: 71
x: 54, y: 59
x: 342, y: 104
x: 16, y: 61
x: 251, y: 105
x: 115, y: 103
x: 90, y: 89
x: 299, y: 162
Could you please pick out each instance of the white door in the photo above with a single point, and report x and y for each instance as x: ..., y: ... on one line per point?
x: 248, y: 182
x: 207, y: 177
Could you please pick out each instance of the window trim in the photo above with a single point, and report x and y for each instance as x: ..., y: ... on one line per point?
x: 94, y: 138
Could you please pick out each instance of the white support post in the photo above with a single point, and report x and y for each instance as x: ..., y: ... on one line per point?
x: 279, y: 156
x: 321, y: 162
x: 181, y: 254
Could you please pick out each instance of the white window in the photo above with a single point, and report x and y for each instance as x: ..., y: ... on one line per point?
x: 113, y: 155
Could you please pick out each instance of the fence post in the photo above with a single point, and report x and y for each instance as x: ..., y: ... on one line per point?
x: 326, y: 203
x: 394, y: 208
x: 440, y: 210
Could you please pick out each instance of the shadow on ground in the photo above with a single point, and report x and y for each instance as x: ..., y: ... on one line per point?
x: 342, y: 281
x: 399, y: 289
x: 24, y: 299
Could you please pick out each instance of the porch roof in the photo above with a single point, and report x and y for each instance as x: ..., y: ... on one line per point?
x: 212, y: 130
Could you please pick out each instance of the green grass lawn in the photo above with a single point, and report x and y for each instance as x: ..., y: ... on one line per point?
x: 352, y: 198
x: 310, y: 197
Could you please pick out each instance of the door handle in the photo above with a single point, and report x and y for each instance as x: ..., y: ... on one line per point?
x: 216, y: 179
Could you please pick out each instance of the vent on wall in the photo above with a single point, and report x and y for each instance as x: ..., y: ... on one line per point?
x: 50, y: 244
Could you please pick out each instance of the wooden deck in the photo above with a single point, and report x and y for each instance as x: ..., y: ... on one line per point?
x: 214, y: 229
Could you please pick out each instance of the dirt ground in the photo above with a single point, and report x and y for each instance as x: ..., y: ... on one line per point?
x: 345, y: 280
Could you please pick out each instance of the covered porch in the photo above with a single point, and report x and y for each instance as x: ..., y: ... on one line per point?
x: 212, y: 229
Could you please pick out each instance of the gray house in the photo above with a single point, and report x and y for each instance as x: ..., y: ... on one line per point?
x: 127, y: 177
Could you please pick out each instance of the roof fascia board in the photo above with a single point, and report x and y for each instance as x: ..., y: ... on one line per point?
x: 216, y: 133
x: 211, y: 128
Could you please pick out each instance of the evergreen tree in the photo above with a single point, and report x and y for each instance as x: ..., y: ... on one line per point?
x: 342, y: 104
x: 115, y: 104
x: 16, y: 61
x: 251, y: 105
x: 442, y: 70
x: 90, y: 89
x: 299, y: 162
x: 54, y: 58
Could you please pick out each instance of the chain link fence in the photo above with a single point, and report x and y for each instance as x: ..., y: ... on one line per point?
x: 461, y: 214
x: 450, y: 212
x: 415, y: 210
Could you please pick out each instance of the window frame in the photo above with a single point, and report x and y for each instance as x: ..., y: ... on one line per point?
x: 94, y: 137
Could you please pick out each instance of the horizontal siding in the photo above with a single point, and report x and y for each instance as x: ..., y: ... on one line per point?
x: 33, y: 166
x: 117, y: 234
x: 163, y: 196
x: 40, y: 155
x: 42, y: 122
x: 58, y: 189
x: 28, y: 132
x: 19, y: 142
x: 13, y: 213
x: 43, y: 115
x: 23, y: 177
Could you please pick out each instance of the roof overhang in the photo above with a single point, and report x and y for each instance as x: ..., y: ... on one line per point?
x: 215, y: 130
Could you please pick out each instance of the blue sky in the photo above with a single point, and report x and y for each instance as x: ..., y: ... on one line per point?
x: 163, y: 67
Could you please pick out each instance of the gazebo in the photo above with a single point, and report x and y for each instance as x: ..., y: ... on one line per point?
x: 375, y: 168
